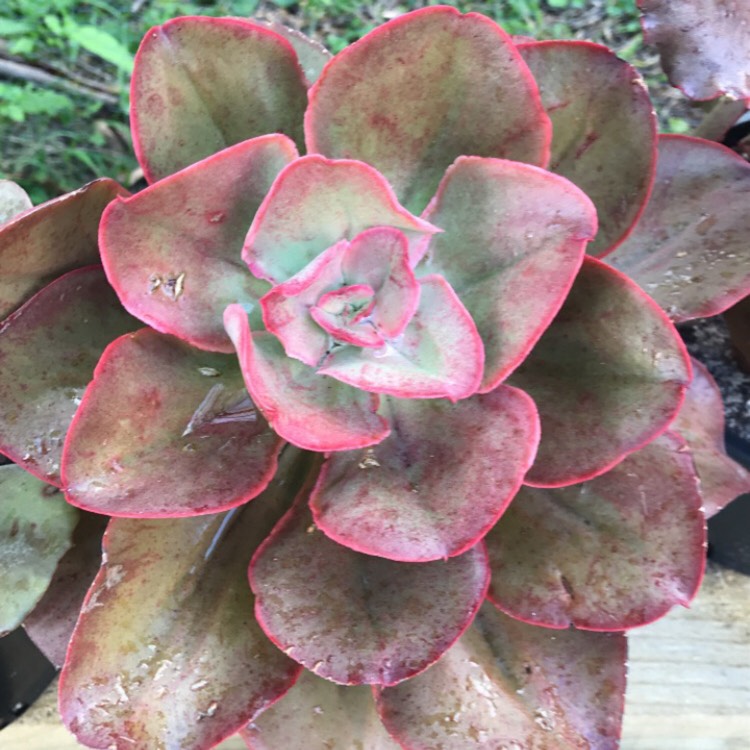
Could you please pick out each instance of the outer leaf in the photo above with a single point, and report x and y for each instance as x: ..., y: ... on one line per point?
x: 435, y: 486
x: 307, y: 409
x: 506, y: 684
x: 356, y: 619
x: 704, y: 45
x: 202, y: 84
x: 689, y: 251
x: 420, y: 91
x: 36, y: 525
x: 13, y: 200
x: 57, y: 236
x: 193, y: 666
x: 604, y: 130
x: 701, y: 423
x: 312, y: 55
x: 172, y: 252
x: 608, y: 376
x: 609, y: 554
x: 48, y: 350
x: 319, y: 715
x: 513, y: 242
x: 166, y: 430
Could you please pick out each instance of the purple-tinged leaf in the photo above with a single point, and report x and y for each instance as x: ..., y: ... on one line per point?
x: 36, y: 526
x: 202, y: 84
x: 514, y: 239
x: 13, y: 200
x: 48, y: 351
x: 701, y: 423
x: 608, y: 376
x: 314, y: 412
x: 312, y: 55
x: 333, y: 201
x: 172, y: 251
x: 690, y: 251
x: 319, y: 715
x: 167, y: 652
x: 166, y: 430
x: 704, y: 45
x: 612, y: 553
x: 421, y: 90
x: 506, y: 684
x: 39, y: 245
x: 435, y: 486
x: 355, y: 619
x: 603, y: 124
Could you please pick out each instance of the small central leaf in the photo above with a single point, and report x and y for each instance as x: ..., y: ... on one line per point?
x: 344, y: 314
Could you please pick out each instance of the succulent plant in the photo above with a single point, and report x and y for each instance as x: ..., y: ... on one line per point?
x: 455, y: 455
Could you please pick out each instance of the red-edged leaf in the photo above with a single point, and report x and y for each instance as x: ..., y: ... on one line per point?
x: 202, y: 84
x: 312, y: 55
x: 340, y: 313
x: 689, y: 251
x: 513, y: 242
x: 701, y: 423
x: 172, y: 251
x: 309, y: 410
x: 604, y: 130
x: 420, y: 91
x: 165, y: 430
x: 13, y: 200
x: 167, y: 652
x: 39, y: 245
x: 608, y: 376
x: 509, y: 685
x: 439, y: 355
x: 315, y: 203
x: 48, y: 350
x: 357, y: 619
x: 609, y: 554
x: 436, y: 485
x: 704, y: 45
x: 320, y: 715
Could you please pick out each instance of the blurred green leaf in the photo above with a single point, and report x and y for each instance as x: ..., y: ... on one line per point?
x: 11, y: 27
x: 102, y: 44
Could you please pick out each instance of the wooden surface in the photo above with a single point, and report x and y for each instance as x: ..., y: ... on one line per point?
x: 688, y: 682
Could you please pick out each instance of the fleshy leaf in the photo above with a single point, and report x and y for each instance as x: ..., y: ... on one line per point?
x: 609, y: 554
x: 439, y: 355
x: 608, y: 376
x: 157, y: 403
x: 333, y: 201
x: 307, y: 409
x: 689, y: 251
x: 701, y: 423
x: 704, y: 45
x: 312, y: 55
x: 172, y: 251
x: 436, y: 484
x: 319, y: 715
x: 13, y: 200
x: 421, y: 90
x: 39, y: 245
x: 509, y: 685
x: 603, y: 124
x: 513, y: 242
x: 202, y: 84
x: 48, y: 350
x: 355, y: 619
x: 193, y: 666
x: 36, y: 526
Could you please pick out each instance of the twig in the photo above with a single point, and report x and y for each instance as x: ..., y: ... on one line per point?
x: 720, y: 118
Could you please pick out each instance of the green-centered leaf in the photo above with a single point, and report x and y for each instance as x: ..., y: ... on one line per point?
x: 36, y: 526
x: 609, y: 554
x: 166, y: 430
x: 312, y: 55
x: 172, y: 251
x: 57, y: 236
x: 13, y: 200
x: 167, y: 652
x: 604, y: 130
x: 202, y: 84
x: 689, y: 251
x: 608, y: 376
x: 421, y: 90
x: 355, y: 619
x: 509, y: 685
x: 48, y: 350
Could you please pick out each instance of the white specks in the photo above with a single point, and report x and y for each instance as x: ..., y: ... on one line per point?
x: 199, y: 685
x: 310, y: 529
x: 209, y: 372
x: 113, y: 576
x: 368, y: 460
x: 317, y: 710
x: 120, y: 690
x: 544, y: 720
